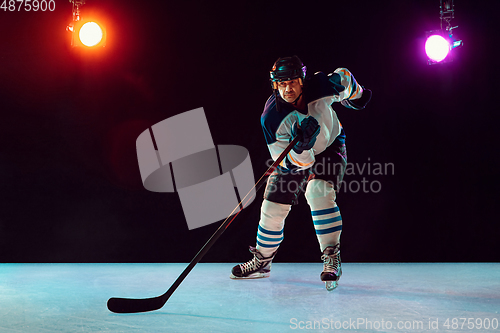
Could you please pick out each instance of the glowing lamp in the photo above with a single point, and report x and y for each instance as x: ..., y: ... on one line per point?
x: 437, y: 48
x: 87, y: 34
x: 440, y: 43
x: 90, y: 34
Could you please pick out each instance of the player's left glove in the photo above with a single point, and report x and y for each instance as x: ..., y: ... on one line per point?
x: 360, y: 103
x: 307, y: 133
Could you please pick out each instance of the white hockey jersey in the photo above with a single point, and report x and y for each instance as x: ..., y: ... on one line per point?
x: 319, y: 91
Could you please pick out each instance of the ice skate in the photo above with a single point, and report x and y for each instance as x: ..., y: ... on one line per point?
x: 332, y: 268
x: 258, y: 267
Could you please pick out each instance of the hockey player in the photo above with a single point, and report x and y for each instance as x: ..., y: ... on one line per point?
x: 302, y: 106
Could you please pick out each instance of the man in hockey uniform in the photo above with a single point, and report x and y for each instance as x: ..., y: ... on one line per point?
x: 301, y: 106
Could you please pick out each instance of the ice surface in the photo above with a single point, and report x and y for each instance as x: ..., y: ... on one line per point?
x: 370, y: 297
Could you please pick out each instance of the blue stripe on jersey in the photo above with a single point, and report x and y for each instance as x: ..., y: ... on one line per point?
x: 325, y: 211
x: 329, y: 230
x: 327, y: 221
x: 270, y: 232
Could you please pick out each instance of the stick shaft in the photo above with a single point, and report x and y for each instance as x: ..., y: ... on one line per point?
x: 230, y: 219
x: 129, y: 305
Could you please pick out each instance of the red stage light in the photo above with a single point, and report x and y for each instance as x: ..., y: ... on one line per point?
x: 88, y: 34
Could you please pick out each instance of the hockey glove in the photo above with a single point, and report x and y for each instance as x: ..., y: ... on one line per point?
x: 307, y: 133
x: 360, y: 103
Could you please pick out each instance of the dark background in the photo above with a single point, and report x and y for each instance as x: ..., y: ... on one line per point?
x: 70, y: 187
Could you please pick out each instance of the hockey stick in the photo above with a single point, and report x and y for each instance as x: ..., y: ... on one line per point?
x: 134, y: 305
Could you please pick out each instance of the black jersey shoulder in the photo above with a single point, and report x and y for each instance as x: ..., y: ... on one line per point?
x: 321, y: 85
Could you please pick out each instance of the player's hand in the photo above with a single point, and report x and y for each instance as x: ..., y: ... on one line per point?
x: 307, y: 133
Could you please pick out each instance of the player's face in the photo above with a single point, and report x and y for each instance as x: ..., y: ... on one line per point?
x: 290, y: 90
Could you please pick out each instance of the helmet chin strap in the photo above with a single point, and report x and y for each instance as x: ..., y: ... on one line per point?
x: 296, y: 100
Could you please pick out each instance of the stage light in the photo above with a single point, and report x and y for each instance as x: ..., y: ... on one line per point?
x: 437, y: 48
x: 90, y: 34
x: 86, y: 32
x: 440, y: 43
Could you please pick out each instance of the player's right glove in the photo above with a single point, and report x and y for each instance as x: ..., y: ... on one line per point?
x: 307, y: 133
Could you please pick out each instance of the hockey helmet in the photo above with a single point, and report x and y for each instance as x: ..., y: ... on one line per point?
x: 286, y: 69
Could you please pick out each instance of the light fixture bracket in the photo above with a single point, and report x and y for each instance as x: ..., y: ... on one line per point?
x: 76, y: 4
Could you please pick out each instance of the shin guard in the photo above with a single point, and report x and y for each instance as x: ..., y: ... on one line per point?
x: 270, y: 232
x: 325, y: 213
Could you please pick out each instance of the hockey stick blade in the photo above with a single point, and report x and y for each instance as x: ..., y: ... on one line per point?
x: 134, y: 305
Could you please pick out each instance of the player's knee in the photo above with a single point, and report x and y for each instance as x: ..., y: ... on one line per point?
x: 318, y: 188
x: 274, y: 209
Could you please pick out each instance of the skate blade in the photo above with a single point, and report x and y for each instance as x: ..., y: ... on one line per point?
x: 331, y: 285
x: 251, y: 276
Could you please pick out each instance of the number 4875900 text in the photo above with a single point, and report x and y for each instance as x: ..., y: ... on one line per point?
x: 28, y: 5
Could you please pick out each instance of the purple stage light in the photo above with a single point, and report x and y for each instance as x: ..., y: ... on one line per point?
x: 437, y: 48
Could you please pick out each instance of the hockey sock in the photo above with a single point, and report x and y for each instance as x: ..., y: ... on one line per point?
x: 325, y: 213
x: 270, y: 231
